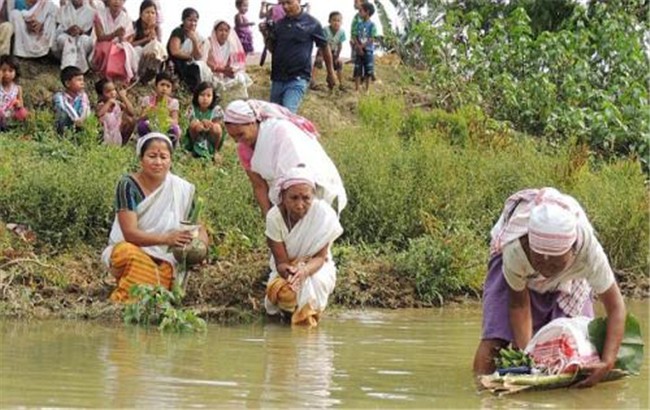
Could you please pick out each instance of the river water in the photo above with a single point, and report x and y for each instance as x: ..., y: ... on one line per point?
x: 355, y: 359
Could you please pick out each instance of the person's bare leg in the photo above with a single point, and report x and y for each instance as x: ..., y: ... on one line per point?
x: 485, y: 353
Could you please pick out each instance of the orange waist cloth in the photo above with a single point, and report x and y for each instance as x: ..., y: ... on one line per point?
x: 280, y: 294
x: 132, y: 266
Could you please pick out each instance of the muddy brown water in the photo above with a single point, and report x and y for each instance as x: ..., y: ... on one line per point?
x: 355, y: 359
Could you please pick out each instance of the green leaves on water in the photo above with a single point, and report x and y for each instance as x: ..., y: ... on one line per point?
x: 630, y: 354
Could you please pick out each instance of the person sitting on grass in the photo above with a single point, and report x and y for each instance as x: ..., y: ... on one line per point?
x: 335, y: 36
x: 204, y: 135
x: 11, y: 94
x: 150, y: 205
x: 300, y: 230
x: 71, y: 106
x: 545, y: 259
x: 115, y: 112
x: 161, y: 99
x: 364, y: 46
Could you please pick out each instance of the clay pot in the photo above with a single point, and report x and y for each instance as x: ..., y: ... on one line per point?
x: 192, y: 254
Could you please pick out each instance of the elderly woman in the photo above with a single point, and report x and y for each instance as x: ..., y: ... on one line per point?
x: 150, y: 51
x: 300, y: 231
x: 271, y: 140
x: 114, y: 56
x: 186, y: 50
x: 34, y: 28
x: 227, y: 60
x: 74, y: 41
x: 545, y: 260
x: 150, y: 206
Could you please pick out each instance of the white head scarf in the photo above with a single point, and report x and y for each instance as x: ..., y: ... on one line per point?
x: 295, y: 176
x: 152, y: 135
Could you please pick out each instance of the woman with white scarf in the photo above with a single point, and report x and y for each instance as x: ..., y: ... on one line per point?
x: 34, y: 28
x: 300, y: 230
x: 227, y: 60
x: 74, y: 41
x: 545, y: 260
x: 271, y: 140
x: 150, y: 205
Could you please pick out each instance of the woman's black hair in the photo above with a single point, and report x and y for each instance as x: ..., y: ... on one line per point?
x: 188, y: 12
x: 139, y: 29
x: 164, y: 76
x: 145, y: 146
x: 99, y: 87
x: 202, y: 87
x: 12, y: 62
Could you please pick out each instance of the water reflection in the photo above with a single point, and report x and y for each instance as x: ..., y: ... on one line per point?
x: 384, y: 359
x: 299, y: 368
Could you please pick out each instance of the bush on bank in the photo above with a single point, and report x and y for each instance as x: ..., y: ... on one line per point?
x: 424, y: 188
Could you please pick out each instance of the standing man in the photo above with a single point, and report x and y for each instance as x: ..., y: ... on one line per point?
x: 291, y: 41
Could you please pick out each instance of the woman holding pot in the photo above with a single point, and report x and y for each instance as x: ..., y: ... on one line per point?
x: 150, y: 206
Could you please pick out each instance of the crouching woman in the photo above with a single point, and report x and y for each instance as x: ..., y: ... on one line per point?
x: 150, y: 205
x: 300, y: 231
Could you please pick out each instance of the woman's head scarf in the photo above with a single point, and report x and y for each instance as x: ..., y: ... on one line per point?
x: 246, y: 112
x: 152, y: 135
x: 295, y: 176
x: 231, y: 53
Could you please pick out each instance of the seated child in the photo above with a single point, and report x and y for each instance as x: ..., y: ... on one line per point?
x: 71, y: 106
x: 364, y: 47
x: 115, y: 112
x: 160, y: 100
x: 204, y: 135
x: 335, y: 37
x: 11, y: 94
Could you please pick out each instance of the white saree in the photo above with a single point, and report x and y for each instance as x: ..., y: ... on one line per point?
x: 161, y: 211
x: 74, y: 51
x: 282, y: 146
x: 317, y: 229
x: 34, y: 45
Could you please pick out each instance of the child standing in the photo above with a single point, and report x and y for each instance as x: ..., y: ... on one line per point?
x: 71, y: 106
x: 161, y: 99
x: 204, y: 135
x: 11, y: 94
x: 364, y: 44
x: 115, y: 112
x: 335, y: 37
x: 243, y: 26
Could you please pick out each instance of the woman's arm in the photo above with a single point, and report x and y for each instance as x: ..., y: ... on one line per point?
x: 615, y: 308
x: 282, y: 263
x: 176, y: 51
x: 261, y: 191
x: 128, y: 221
x: 312, y: 266
x: 521, y: 321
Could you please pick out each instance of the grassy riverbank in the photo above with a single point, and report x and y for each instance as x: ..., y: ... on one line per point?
x: 424, y: 187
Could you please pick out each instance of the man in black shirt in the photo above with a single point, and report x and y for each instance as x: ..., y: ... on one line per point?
x: 291, y: 41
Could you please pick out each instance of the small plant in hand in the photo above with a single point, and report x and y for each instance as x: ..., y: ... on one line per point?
x: 157, y: 306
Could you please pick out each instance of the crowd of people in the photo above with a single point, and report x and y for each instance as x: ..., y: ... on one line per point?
x: 545, y: 262
x: 100, y: 36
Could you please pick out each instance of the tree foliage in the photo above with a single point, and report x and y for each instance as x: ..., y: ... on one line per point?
x: 560, y: 72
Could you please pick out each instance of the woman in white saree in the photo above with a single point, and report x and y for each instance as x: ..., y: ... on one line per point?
x: 34, y: 28
x: 74, y: 41
x: 227, y: 60
x: 300, y: 231
x: 114, y: 57
x: 150, y: 205
x: 271, y: 140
